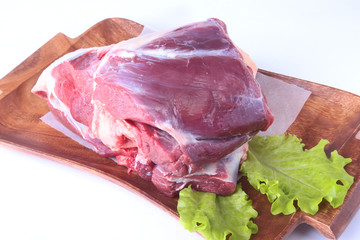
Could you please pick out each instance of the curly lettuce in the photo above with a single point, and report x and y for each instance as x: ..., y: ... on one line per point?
x: 217, y: 217
x: 279, y: 167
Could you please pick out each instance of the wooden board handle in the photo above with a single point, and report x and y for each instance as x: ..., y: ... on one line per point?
x: 62, y: 44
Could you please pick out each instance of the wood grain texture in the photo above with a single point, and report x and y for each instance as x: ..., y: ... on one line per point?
x: 329, y: 113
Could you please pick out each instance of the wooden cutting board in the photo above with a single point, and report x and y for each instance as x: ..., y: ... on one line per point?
x: 328, y: 113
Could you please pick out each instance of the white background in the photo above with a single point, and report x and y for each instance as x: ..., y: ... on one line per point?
x: 39, y: 199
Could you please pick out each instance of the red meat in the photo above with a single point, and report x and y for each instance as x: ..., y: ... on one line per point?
x: 177, y: 107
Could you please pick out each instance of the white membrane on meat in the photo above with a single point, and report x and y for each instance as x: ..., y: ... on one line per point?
x: 275, y: 91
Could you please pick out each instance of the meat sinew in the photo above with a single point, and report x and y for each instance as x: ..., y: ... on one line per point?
x: 177, y: 107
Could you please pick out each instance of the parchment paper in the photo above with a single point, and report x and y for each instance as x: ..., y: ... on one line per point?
x: 285, y: 101
x: 50, y: 120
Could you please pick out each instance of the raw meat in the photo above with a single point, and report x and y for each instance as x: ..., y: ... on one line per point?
x: 177, y: 107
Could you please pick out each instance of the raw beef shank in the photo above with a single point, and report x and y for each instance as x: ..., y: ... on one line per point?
x: 177, y: 107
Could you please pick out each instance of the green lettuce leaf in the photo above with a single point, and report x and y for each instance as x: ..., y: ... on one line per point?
x: 215, y: 217
x: 279, y: 167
